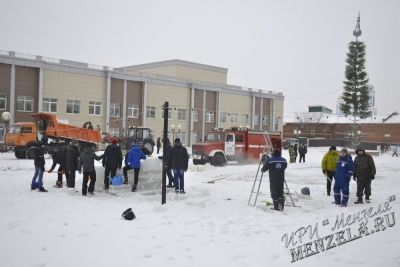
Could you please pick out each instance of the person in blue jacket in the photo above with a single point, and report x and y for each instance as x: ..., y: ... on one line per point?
x: 276, y: 166
x: 343, y: 172
x: 132, y: 160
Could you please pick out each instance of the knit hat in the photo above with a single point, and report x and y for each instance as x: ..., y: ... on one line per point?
x: 177, y: 140
x: 276, y: 153
x: 114, y: 141
x: 344, y: 150
x: 332, y: 148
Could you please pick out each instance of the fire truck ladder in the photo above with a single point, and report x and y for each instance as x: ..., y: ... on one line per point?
x: 258, y: 179
x: 254, y: 194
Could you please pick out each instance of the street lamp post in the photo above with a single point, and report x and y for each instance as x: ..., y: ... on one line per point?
x: 297, y: 132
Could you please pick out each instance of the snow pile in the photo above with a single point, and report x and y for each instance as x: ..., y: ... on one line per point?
x: 149, y: 177
x: 210, y: 225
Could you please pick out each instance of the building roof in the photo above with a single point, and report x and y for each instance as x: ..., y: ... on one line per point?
x: 175, y: 62
x: 333, y: 118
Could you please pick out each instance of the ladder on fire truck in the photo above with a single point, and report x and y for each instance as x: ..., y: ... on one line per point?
x: 258, y: 179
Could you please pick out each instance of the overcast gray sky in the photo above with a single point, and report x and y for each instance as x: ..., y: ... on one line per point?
x: 297, y: 47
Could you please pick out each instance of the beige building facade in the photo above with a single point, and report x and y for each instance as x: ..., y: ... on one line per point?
x: 114, y: 99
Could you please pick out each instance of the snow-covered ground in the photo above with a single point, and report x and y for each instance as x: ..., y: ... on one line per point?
x: 211, y: 225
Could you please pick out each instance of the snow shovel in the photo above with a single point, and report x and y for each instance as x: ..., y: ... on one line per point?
x: 214, y: 180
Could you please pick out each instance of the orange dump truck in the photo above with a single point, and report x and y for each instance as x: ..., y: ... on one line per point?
x: 23, y: 135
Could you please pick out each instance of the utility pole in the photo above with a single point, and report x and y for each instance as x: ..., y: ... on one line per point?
x: 164, y: 163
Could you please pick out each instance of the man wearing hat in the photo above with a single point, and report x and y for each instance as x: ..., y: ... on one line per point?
x: 364, y: 172
x: 71, y: 162
x: 328, y: 166
x: 178, y: 160
x: 132, y: 161
x: 276, y: 166
x: 344, y: 171
x: 112, y: 161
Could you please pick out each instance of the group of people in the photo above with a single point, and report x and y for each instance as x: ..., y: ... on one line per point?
x: 176, y: 164
x: 337, y: 167
x: 294, y: 151
x: 341, y: 167
x: 71, y: 159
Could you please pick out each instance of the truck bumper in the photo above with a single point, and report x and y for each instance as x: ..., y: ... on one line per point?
x: 199, y: 160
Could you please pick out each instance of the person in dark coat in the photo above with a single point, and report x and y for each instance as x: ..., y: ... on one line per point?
x: 158, y: 144
x: 364, y: 172
x: 38, y: 158
x: 112, y: 160
x: 302, y: 152
x: 86, y: 164
x: 276, y: 166
x: 132, y: 160
x: 71, y: 163
x: 169, y: 171
x: 295, y: 152
x: 178, y: 160
x: 58, y: 158
x: 343, y: 172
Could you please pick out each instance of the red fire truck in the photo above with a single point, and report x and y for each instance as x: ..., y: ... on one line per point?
x: 234, y: 144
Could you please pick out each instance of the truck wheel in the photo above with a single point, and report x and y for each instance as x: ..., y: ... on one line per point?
x: 218, y: 160
x: 20, y: 153
x: 149, y: 148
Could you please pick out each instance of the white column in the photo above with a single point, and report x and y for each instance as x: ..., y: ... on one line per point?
x: 12, y: 94
x: 203, y: 127
x: 124, y: 107
x: 40, y: 93
x: 144, y: 103
x: 261, y: 112
x: 272, y: 128
x: 253, y: 111
x: 108, y: 102
x: 218, y: 109
x: 191, y: 123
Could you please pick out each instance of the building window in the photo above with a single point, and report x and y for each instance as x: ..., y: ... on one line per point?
x: 210, y: 116
x: 234, y: 117
x: 195, y: 115
x: 49, y: 105
x: 256, y: 120
x: 73, y: 106
x: 169, y: 113
x: 3, y: 101
x: 115, y: 110
x: 133, y: 111
x: 94, y: 108
x: 25, y: 103
x: 182, y: 114
x: 223, y: 116
x: 150, y: 112
x: 182, y: 135
x: 114, y: 132
x: 245, y: 118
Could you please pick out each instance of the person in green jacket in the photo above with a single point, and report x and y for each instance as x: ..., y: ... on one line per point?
x: 328, y: 165
x: 292, y: 154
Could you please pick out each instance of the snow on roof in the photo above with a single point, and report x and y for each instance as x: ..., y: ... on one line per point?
x: 310, y: 117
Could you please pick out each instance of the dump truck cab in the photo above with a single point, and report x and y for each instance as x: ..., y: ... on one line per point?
x: 20, y: 136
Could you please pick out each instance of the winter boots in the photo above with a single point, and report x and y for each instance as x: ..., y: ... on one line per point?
x: 359, y: 201
x: 59, y: 184
x: 367, y: 199
x: 41, y: 189
x: 134, y: 188
x: 279, y: 204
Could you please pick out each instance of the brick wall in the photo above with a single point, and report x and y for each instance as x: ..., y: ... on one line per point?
x: 371, y: 132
